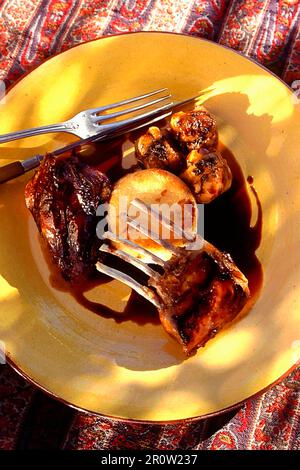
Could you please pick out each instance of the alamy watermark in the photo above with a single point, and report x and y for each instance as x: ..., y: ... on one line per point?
x: 2, y: 92
x: 2, y: 353
x: 295, y: 351
x: 296, y: 91
x: 158, y: 221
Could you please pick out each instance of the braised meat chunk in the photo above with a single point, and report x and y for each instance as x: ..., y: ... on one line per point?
x: 207, y: 174
x: 63, y: 196
x: 195, y: 129
x: 201, y: 292
x: 155, y: 149
x: 188, y: 149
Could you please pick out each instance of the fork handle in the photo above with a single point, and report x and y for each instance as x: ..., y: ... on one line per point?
x: 62, y: 126
x: 11, y: 171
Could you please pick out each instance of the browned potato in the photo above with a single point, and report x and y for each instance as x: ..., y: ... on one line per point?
x: 154, y: 149
x: 207, y: 174
x: 195, y: 129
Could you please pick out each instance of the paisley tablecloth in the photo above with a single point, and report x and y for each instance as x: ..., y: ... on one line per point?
x: 30, y: 31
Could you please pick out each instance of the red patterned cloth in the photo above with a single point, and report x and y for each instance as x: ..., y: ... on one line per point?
x: 30, y: 31
x: 266, y: 30
x: 271, y: 421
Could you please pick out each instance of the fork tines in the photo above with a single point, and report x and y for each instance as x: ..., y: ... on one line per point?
x: 160, y: 102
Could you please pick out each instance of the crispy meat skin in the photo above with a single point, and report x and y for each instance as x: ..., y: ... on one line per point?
x: 63, y: 196
x: 156, y: 149
x: 207, y: 174
x: 195, y: 129
x: 201, y: 292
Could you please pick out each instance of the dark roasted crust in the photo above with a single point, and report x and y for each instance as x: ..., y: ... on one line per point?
x: 200, y: 294
x: 157, y: 149
x: 188, y: 149
x: 63, y: 196
x: 195, y: 129
x: 207, y: 174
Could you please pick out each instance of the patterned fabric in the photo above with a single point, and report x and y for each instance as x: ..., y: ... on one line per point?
x: 271, y: 421
x: 15, y: 397
x: 30, y: 31
x: 266, y: 30
x: 32, y: 420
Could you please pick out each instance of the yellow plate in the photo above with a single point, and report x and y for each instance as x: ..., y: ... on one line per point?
x: 133, y: 371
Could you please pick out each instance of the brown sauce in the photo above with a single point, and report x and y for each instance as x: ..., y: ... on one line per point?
x: 227, y: 226
x: 135, y: 305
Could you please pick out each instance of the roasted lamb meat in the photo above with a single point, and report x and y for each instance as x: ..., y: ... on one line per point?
x: 156, y: 149
x: 63, y: 196
x: 207, y: 174
x: 200, y: 292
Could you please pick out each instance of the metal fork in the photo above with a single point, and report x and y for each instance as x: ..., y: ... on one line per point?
x: 105, y: 131
x: 93, y: 121
x: 143, y: 256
